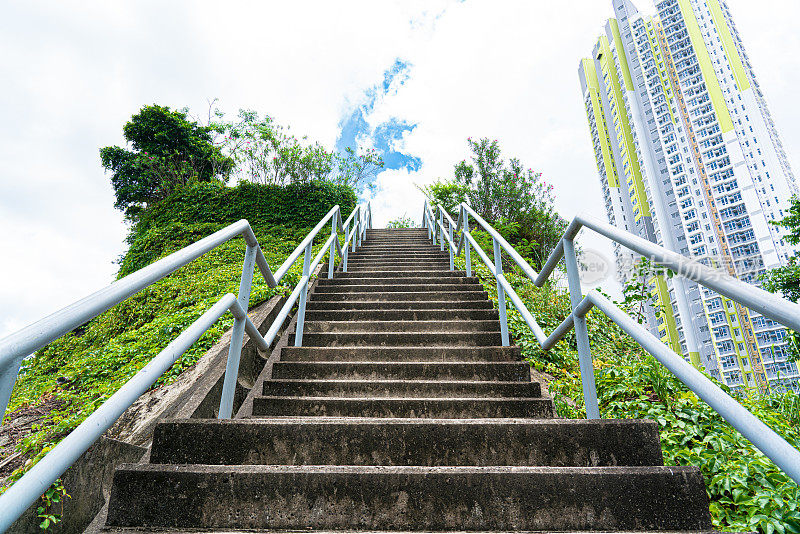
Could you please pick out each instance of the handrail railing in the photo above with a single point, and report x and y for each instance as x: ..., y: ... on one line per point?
x: 786, y: 457
x: 17, y: 346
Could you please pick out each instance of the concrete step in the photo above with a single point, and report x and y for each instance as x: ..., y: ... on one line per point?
x: 397, y: 268
x: 386, y: 280
x: 397, y: 252
x: 454, y: 296
x: 432, y: 407
x: 338, y: 370
x: 404, y: 275
x: 402, y: 315
x: 399, y: 264
x: 399, y: 388
x: 401, y: 354
x: 321, y: 327
x: 421, y: 442
x: 461, y: 304
x: 400, y: 339
x: 409, y: 498
x: 391, y: 245
x: 398, y: 257
x: 407, y: 287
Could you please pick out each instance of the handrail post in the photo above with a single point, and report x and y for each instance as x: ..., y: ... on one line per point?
x: 369, y: 212
x: 465, y: 231
x: 441, y: 229
x: 237, y: 336
x: 581, y: 332
x: 450, y: 247
x: 425, y: 218
x: 8, y: 377
x: 355, y: 227
x: 501, y: 295
x: 361, y: 224
x: 432, y: 222
x: 301, y: 306
x: 332, y: 252
x: 345, y: 250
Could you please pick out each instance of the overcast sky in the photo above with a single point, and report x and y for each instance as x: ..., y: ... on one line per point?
x: 412, y: 78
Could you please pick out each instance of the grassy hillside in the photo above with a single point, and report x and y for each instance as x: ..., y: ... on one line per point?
x: 748, y: 492
x: 75, y: 374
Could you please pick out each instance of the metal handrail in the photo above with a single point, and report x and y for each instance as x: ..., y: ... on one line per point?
x: 786, y: 457
x: 14, y: 348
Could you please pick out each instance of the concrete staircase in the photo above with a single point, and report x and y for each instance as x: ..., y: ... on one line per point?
x: 402, y: 412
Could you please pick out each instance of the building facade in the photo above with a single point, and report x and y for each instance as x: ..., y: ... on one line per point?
x: 689, y: 158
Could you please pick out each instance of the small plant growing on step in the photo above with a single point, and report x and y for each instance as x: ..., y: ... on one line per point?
x: 53, y: 496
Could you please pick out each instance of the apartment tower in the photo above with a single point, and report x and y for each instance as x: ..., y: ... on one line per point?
x: 689, y: 158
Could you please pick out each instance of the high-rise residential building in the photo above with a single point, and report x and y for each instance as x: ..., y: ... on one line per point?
x: 689, y: 157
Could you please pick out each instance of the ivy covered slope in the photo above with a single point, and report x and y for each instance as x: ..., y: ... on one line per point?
x: 747, y: 491
x: 82, y: 369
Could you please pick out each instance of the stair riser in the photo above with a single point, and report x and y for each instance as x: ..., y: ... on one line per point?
x: 399, y: 305
x: 406, y: 275
x: 505, y: 372
x: 397, y: 315
x: 399, y: 264
x: 407, y: 499
x: 400, y: 389
x: 424, y: 408
x: 565, y: 443
x: 386, y: 281
x: 406, y: 339
x: 438, y: 288
x: 396, y: 268
x: 397, y: 253
x: 454, y: 296
x: 402, y: 354
x: 341, y: 326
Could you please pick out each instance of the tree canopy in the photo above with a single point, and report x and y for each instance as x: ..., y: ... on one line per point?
x: 167, y: 150
x: 512, y: 197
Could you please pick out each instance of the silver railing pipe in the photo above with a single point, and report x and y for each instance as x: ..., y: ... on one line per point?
x: 14, y: 348
x: 786, y: 457
x: 25, y: 491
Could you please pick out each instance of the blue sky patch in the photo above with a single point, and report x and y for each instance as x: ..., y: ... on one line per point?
x: 386, y: 137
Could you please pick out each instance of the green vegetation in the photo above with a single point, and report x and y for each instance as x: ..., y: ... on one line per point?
x: 786, y: 280
x: 169, y: 151
x: 266, y: 153
x: 747, y: 491
x: 401, y: 222
x: 514, y: 199
x: 171, y: 186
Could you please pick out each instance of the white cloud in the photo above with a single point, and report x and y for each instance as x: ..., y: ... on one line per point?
x: 74, y: 72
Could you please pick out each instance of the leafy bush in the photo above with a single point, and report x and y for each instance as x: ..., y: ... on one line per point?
x: 301, y: 205
x: 401, y: 222
x: 747, y: 491
x: 512, y: 198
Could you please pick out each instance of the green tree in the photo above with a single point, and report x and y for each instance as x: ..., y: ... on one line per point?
x: 167, y: 151
x: 786, y: 280
x: 508, y: 195
x: 267, y: 153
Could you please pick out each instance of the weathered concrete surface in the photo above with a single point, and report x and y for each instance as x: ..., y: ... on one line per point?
x: 333, y: 370
x: 402, y: 354
x: 404, y: 339
x: 427, y: 442
x: 88, y: 482
x: 453, y: 408
x: 409, y: 498
x: 396, y: 416
x: 400, y: 388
